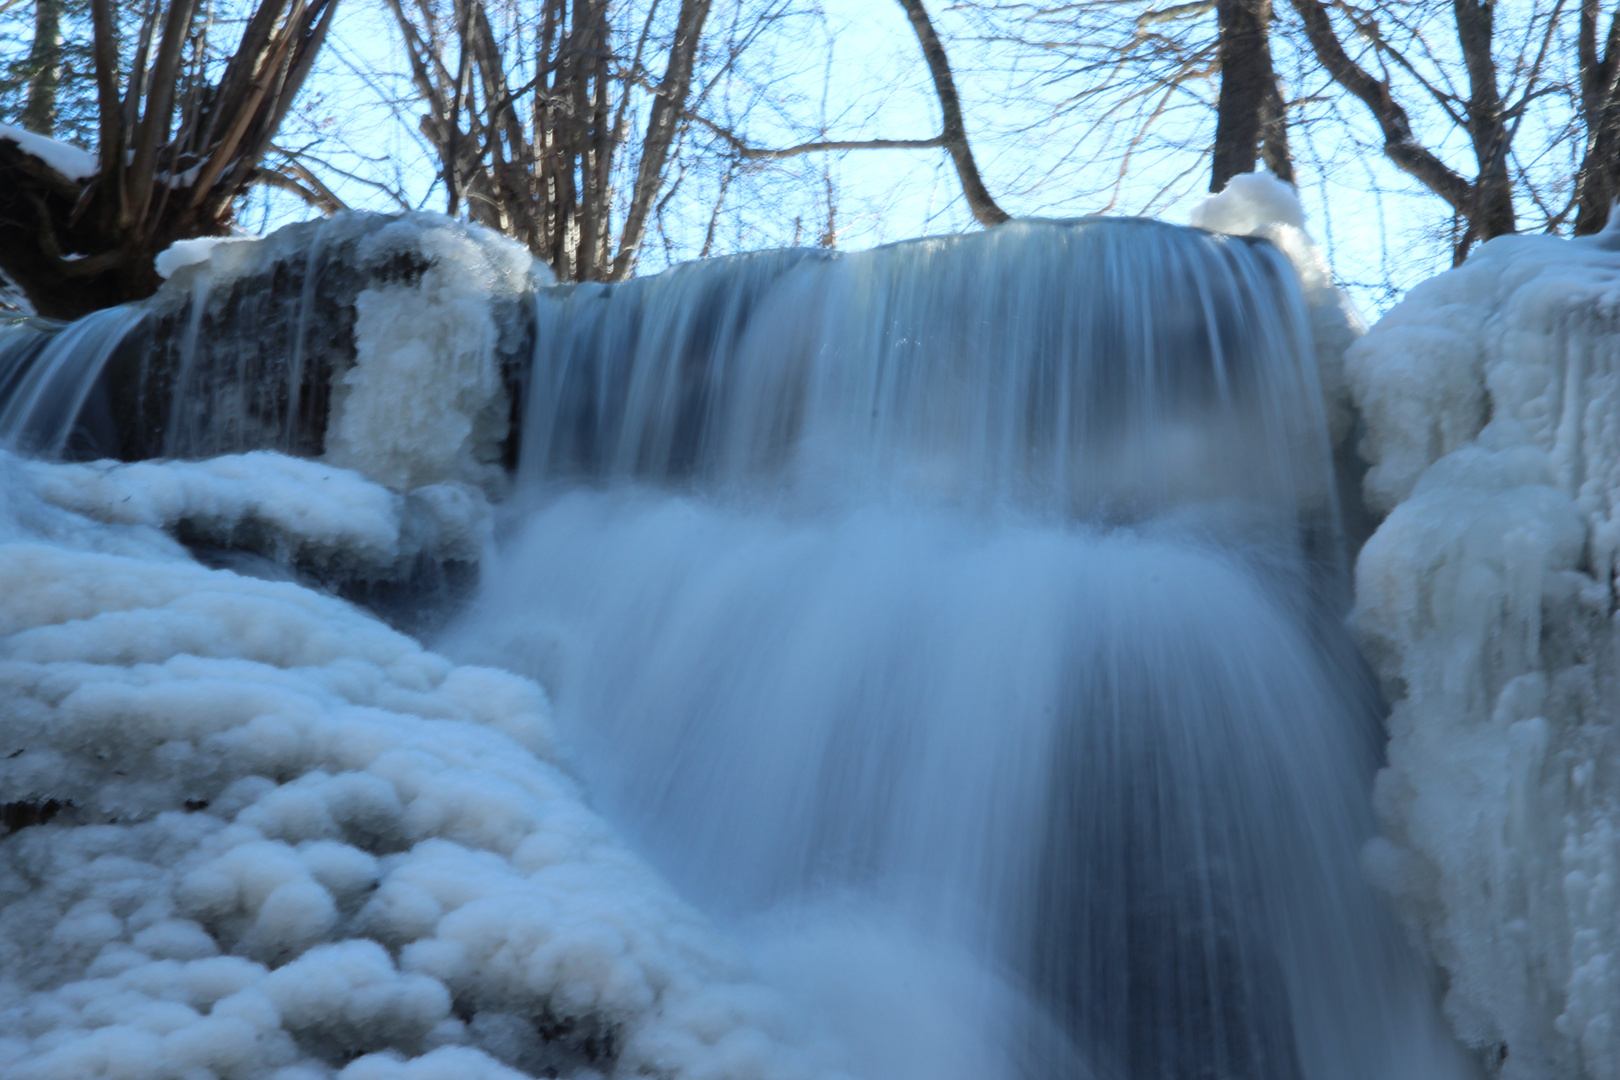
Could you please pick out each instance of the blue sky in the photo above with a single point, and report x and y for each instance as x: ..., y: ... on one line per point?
x: 853, y: 68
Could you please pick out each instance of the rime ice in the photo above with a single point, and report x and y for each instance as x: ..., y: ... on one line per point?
x: 1485, y: 601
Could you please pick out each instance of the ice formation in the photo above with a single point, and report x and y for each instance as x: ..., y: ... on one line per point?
x: 424, y: 402
x: 1486, y: 603
x: 256, y: 834
x: 296, y: 511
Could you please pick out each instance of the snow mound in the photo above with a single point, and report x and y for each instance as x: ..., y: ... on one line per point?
x: 190, y: 252
x: 1248, y: 202
x: 1486, y: 603
x: 293, y: 510
x: 253, y: 833
x: 67, y: 159
x: 1258, y: 204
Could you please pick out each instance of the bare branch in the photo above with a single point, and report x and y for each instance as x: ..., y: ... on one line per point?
x: 979, y: 200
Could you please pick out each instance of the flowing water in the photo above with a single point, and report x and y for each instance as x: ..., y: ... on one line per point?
x: 959, y: 621
x: 958, y: 624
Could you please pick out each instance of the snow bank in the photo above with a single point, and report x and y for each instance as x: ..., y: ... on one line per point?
x: 67, y: 159
x: 1486, y: 603
x: 1259, y: 204
x: 253, y: 833
x: 293, y: 510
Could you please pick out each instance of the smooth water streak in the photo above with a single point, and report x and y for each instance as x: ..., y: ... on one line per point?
x: 939, y: 617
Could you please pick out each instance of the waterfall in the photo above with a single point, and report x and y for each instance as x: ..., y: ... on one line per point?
x: 1067, y: 364
x: 47, y: 377
x: 957, y: 622
x: 957, y: 625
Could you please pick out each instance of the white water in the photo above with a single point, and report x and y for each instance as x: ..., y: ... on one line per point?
x: 950, y: 621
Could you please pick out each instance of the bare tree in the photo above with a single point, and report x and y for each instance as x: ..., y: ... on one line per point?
x: 44, y: 67
x: 954, y: 137
x: 1251, y: 122
x: 1598, y: 76
x: 540, y: 145
x: 181, y: 133
x: 533, y: 137
x: 1484, y: 204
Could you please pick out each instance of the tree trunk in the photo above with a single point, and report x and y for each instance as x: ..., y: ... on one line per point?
x: 1491, y: 213
x: 44, y: 68
x: 1597, y: 184
x: 1250, y: 120
x: 668, y: 108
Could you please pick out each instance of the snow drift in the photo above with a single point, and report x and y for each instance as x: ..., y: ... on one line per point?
x: 259, y: 834
x: 1487, y: 605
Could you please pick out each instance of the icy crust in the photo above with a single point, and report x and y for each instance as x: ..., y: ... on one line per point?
x: 425, y: 401
x: 1486, y: 604
x: 289, y: 843
x: 293, y: 510
x: 1259, y: 204
x: 413, y: 314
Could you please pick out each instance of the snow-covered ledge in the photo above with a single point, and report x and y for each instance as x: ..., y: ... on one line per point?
x: 1486, y: 603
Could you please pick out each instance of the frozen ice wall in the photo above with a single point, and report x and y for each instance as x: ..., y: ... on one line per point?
x: 255, y: 834
x: 1486, y: 602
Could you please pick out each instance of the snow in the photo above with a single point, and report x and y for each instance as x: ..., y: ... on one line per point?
x: 67, y: 159
x: 293, y: 845
x: 425, y: 402
x: 297, y: 510
x: 190, y: 252
x: 1258, y: 204
x: 1486, y: 604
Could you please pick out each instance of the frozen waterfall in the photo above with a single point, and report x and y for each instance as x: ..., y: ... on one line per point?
x: 957, y: 626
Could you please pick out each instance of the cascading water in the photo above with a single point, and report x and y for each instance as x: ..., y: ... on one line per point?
x: 956, y: 623
x: 46, y: 376
x: 954, y: 620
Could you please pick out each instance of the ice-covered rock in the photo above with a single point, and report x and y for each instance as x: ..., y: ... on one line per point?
x: 254, y: 833
x: 392, y: 345
x: 1486, y: 602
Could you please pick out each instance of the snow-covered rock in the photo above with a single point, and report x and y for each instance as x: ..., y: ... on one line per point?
x: 1486, y: 602
x: 389, y: 345
x: 191, y: 252
x: 67, y: 159
x: 253, y: 833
